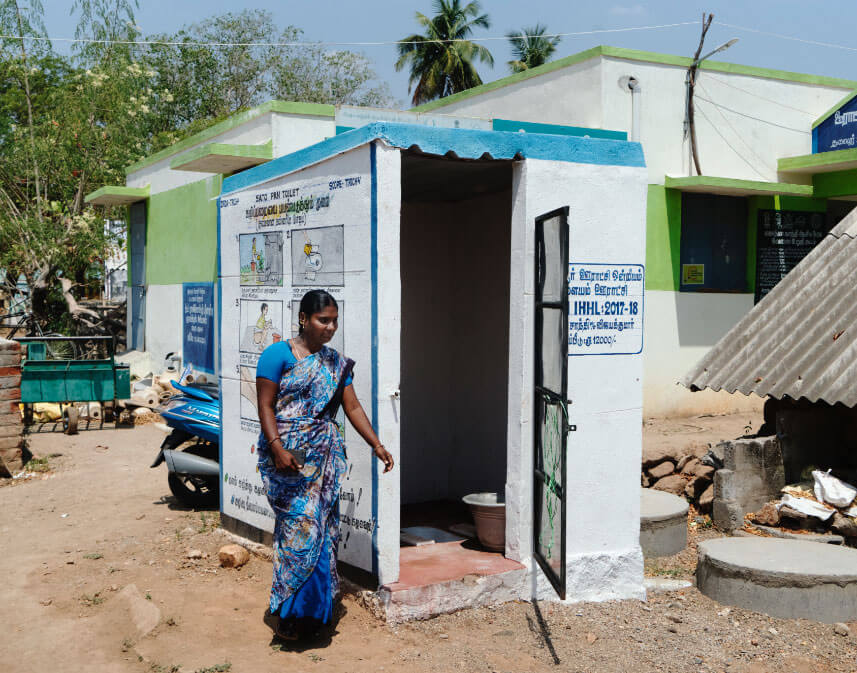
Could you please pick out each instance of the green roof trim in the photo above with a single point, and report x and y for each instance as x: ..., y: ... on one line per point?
x: 116, y: 195
x: 256, y: 154
x: 282, y: 107
x: 822, y: 162
x: 714, y: 185
x: 834, y: 108
x: 636, y: 55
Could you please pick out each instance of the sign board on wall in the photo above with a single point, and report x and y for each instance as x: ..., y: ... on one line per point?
x: 198, y: 334
x: 309, y: 230
x: 838, y: 131
x: 784, y: 238
x: 605, y: 309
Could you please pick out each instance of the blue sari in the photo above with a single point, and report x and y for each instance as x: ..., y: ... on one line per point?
x: 306, y: 503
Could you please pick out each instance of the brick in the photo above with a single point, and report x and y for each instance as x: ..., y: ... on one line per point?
x: 10, y: 371
x: 10, y: 394
x: 10, y: 382
x: 12, y: 460
x: 10, y: 359
x: 11, y: 419
x: 7, y: 345
x: 9, y: 407
x: 10, y: 443
x: 11, y: 430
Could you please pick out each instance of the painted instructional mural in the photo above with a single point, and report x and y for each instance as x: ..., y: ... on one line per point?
x: 278, y: 241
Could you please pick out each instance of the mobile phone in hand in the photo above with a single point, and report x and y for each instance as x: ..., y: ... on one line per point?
x: 299, y: 454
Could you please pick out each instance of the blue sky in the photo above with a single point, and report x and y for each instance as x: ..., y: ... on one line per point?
x: 385, y: 20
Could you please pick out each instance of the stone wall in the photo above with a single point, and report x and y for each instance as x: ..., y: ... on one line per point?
x: 11, y: 424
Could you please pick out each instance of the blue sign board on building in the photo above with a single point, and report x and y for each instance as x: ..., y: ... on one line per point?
x: 838, y: 131
x: 198, y: 326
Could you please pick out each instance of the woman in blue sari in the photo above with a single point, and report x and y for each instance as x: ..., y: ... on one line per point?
x: 301, y: 383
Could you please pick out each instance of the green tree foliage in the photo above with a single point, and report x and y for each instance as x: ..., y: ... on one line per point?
x: 441, y: 61
x: 70, y: 125
x: 531, y: 48
x: 209, y: 81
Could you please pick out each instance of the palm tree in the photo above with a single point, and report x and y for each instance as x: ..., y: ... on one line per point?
x: 531, y: 48
x: 442, y: 61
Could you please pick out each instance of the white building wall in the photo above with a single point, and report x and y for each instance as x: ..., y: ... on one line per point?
x: 743, y: 123
x: 680, y: 328
x: 603, y: 552
x: 570, y: 96
x: 294, y: 132
x: 163, y: 321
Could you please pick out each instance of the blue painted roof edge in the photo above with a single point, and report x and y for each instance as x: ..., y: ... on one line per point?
x: 463, y: 143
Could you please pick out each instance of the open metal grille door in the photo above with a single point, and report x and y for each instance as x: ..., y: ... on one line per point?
x: 551, y: 425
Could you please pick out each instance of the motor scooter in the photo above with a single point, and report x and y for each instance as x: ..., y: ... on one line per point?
x: 193, y: 419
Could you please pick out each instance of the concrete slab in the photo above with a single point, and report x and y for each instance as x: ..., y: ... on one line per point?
x: 782, y: 578
x: 663, y: 523
x: 448, y: 576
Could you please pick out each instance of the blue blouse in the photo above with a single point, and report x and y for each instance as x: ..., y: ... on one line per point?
x: 276, y: 359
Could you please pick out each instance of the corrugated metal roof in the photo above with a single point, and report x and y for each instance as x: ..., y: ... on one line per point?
x: 800, y: 340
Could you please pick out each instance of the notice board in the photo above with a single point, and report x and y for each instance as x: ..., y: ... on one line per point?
x: 304, y: 231
x: 198, y: 334
x: 784, y: 238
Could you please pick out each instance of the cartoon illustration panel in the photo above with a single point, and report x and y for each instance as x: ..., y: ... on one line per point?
x: 261, y: 325
x: 261, y: 256
x: 318, y: 257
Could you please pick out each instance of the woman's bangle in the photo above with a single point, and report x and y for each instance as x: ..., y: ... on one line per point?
x: 276, y: 439
x: 378, y: 446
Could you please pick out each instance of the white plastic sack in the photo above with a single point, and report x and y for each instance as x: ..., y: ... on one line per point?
x: 831, y: 490
x: 807, y: 506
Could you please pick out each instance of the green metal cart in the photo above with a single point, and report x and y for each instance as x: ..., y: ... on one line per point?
x: 66, y: 382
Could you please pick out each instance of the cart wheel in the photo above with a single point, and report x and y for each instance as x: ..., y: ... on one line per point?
x: 69, y: 420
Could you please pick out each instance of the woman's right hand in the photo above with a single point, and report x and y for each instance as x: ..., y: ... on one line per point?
x: 285, y: 461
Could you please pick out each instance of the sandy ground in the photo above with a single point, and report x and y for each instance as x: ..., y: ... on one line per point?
x: 100, y: 520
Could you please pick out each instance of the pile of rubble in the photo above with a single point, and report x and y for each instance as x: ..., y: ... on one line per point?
x: 683, y: 472
x: 829, y: 507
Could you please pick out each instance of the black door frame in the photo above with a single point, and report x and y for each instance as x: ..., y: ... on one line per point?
x: 543, y: 397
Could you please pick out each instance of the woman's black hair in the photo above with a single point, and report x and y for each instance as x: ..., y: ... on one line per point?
x: 262, y: 307
x: 313, y: 302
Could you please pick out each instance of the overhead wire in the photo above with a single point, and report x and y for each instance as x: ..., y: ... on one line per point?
x: 708, y: 75
x: 816, y: 43
x: 725, y: 140
x: 173, y: 43
x: 758, y: 119
x: 738, y: 135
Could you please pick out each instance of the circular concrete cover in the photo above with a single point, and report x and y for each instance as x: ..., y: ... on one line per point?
x: 788, y: 561
x: 783, y: 578
x: 658, y: 506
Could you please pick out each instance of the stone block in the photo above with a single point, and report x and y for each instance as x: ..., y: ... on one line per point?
x: 768, y: 515
x: 844, y: 525
x: 233, y: 556
x: 690, y: 466
x: 704, y: 471
x: 10, y: 381
x: 11, y: 461
x: 706, y: 499
x: 10, y: 359
x: 672, y: 484
x: 662, y: 470
x: 684, y: 460
x: 655, y: 455
x: 727, y: 515
x: 9, y: 407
